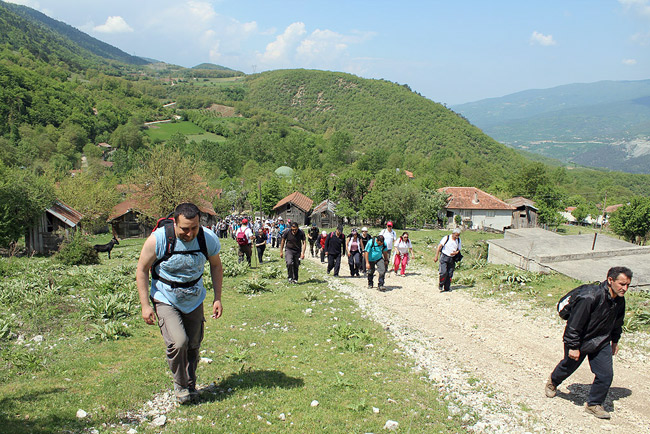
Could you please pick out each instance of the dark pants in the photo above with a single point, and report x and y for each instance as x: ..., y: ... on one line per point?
x: 380, y: 266
x: 312, y: 245
x: 446, y: 268
x: 260, y: 252
x: 247, y: 251
x: 354, y: 261
x: 182, y: 333
x: 274, y: 242
x: 292, y: 258
x: 334, y: 261
x: 322, y: 255
x: 600, y: 363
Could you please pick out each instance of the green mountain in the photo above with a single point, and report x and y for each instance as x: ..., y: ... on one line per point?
x: 51, y: 40
x: 386, y: 120
x: 212, y: 66
x: 603, y: 124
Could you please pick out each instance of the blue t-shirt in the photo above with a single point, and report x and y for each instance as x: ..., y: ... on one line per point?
x: 182, y: 268
x: 375, y: 251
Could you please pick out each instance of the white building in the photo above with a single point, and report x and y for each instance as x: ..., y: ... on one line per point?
x: 477, y: 209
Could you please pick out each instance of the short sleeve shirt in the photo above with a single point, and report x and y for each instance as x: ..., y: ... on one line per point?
x: 449, y: 245
x: 182, y: 268
x: 375, y: 251
x: 293, y: 242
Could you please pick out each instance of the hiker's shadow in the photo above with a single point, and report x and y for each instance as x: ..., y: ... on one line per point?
x: 391, y: 288
x: 248, y: 379
x: 311, y: 280
x: 578, y: 394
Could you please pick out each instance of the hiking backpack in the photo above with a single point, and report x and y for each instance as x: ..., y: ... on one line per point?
x: 568, y: 300
x: 241, y: 237
x: 170, y: 242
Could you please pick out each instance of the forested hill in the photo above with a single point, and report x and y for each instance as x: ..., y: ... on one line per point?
x: 22, y: 27
x: 386, y: 120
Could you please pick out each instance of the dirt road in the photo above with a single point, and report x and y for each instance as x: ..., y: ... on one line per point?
x: 494, y: 359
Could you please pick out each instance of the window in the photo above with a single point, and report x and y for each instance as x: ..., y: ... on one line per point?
x: 466, y: 213
x: 490, y: 213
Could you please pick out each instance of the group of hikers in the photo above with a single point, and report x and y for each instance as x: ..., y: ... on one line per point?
x: 176, y: 254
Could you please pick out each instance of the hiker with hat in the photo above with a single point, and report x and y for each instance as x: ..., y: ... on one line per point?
x: 389, y: 238
x: 449, y: 252
x: 321, y: 243
x: 244, y: 237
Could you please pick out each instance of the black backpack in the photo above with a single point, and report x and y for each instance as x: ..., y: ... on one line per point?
x: 568, y: 300
x: 170, y: 242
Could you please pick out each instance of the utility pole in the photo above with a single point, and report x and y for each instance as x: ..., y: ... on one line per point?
x: 602, y: 222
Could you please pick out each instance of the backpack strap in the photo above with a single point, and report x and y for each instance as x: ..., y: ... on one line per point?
x: 170, y: 241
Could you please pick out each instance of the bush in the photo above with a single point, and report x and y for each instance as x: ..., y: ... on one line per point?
x: 77, y: 251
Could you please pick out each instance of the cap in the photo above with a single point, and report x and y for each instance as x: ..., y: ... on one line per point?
x: 389, y: 224
x: 244, y: 221
x: 353, y: 231
x: 364, y: 229
x: 456, y: 231
x: 313, y: 225
x: 324, y: 233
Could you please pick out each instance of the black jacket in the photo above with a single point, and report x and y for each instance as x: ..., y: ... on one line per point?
x: 596, y: 319
x: 335, y: 245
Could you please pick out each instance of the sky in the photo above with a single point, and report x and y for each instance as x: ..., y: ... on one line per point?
x: 452, y: 51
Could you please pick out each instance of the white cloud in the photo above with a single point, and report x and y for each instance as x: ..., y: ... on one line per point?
x: 629, y: 62
x: 640, y: 7
x: 541, y: 39
x: 641, y: 38
x: 114, y: 24
x: 282, y: 48
x: 201, y: 10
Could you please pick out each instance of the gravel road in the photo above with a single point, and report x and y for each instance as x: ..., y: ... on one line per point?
x: 492, y: 359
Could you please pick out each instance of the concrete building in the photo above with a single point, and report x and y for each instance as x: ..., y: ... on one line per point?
x: 572, y: 255
x: 477, y: 209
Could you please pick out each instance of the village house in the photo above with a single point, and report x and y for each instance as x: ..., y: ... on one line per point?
x: 324, y: 215
x: 55, y: 224
x: 294, y: 207
x: 477, y: 209
x: 525, y: 213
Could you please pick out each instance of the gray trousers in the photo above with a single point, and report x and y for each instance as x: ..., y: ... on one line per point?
x: 447, y: 266
x: 292, y: 259
x: 380, y: 266
x: 182, y: 333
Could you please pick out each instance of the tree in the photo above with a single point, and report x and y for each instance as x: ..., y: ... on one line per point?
x: 23, y: 198
x: 167, y: 179
x: 632, y: 221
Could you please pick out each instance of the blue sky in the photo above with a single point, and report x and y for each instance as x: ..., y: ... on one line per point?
x: 449, y: 51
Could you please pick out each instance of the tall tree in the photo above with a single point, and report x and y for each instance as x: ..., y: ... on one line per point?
x: 632, y: 221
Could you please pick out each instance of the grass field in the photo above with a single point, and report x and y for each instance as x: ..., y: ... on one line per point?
x: 191, y: 131
x: 274, y: 351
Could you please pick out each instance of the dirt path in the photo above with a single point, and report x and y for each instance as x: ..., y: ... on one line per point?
x: 495, y: 359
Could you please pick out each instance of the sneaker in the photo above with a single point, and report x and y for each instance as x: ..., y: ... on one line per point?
x: 370, y: 286
x: 550, y: 389
x: 598, y: 411
x: 381, y: 288
x: 182, y: 394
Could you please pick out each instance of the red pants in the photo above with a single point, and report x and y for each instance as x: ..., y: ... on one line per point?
x: 401, y: 259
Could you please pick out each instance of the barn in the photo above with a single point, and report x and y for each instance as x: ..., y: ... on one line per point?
x: 294, y: 207
x: 55, y: 224
x: 324, y: 215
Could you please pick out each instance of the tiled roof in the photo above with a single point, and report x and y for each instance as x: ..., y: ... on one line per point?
x: 612, y: 208
x: 473, y: 198
x: 65, y: 213
x: 298, y: 199
x: 122, y: 208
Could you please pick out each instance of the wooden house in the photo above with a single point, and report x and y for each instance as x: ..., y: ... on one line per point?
x: 525, y: 213
x: 324, y: 215
x: 294, y: 207
x: 55, y: 224
x: 127, y: 221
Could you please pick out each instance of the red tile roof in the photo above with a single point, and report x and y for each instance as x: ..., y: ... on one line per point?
x: 473, y: 198
x: 298, y: 199
x: 122, y: 208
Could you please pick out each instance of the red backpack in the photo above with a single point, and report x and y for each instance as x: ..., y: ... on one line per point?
x: 241, y: 237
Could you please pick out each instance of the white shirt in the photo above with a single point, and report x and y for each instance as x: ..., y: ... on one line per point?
x: 403, y: 246
x: 389, y: 238
x: 449, y: 245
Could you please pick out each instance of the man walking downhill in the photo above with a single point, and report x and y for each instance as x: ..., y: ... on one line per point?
x: 593, y: 329
x: 177, y: 291
x: 334, y: 248
x: 390, y: 236
x: 449, y: 247
x: 292, y: 248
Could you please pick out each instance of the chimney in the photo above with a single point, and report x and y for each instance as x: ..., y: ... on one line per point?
x: 475, y: 197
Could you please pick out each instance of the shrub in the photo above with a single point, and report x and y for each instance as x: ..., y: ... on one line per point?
x: 77, y: 251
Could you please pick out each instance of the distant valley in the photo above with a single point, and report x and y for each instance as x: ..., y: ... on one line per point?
x: 604, y: 124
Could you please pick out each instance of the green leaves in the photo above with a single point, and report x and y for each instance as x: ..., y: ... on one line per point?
x: 632, y: 221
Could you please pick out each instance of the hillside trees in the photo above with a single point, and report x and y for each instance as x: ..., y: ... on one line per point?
x: 632, y: 221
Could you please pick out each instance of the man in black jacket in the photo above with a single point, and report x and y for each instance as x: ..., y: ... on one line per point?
x: 334, y: 248
x: 593, y: 330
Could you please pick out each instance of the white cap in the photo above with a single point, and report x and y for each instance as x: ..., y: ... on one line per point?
x: 456, y: 231
x: 364, y: 229
x: 324, y: 233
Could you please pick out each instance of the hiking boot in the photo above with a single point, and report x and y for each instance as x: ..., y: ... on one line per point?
x: 182, y: 394
x: 550, y: 389
x: 381, y: 288
x: 370, y: 286
x: 598, y: 411
x: 194, y: 394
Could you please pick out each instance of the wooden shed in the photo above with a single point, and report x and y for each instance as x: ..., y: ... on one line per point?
x: 55, y: 224
x: 127, y: 221
x: 294, y: 207
x: 525, y: 214
x: 324, y: 215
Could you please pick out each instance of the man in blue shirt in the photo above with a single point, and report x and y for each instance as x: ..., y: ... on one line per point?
x: 177, y: 292
x: 376, y: 256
